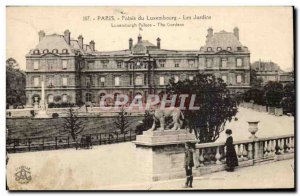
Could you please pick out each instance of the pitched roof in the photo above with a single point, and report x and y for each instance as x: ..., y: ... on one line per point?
x: 223, y: 40
x: 52, y: 42
x: 143, y: 46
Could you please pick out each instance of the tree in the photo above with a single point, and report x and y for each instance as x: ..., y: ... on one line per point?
x: 146, y: 123
x: 121, y: 121
x: 254, y: 81
x: 15, y: 84
x: 72, y: 124
x: 216, y: 105
x: 288, y: 101
x: 274, y: 93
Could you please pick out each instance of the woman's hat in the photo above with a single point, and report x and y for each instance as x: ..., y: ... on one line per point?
x: 228, y: 131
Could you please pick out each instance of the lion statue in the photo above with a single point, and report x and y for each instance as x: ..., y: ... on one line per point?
x: 160, y: 115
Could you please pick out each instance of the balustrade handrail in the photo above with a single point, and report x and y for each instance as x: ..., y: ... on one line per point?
x: 215, y: 144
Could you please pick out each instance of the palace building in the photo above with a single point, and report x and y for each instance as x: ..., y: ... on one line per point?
x: 77, y: 73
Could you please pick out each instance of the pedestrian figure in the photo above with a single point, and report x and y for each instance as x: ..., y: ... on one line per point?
x: 188, y: 164
x: 231, y: 158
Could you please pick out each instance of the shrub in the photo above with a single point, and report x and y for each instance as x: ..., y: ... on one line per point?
x: 55, y: 115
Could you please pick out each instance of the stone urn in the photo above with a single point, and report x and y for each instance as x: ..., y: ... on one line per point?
x: 253, y: 128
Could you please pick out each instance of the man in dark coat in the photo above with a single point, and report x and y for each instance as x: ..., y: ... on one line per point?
x: 188, y: 164
x: 231, y: 157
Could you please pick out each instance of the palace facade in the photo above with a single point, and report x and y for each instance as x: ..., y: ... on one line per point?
x: 76, y: 72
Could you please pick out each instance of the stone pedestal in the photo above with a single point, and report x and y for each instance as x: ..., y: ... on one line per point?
x: 160, y: 154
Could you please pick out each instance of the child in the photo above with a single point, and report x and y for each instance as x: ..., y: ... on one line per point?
x: 188, y: 164
x: 231, y: 158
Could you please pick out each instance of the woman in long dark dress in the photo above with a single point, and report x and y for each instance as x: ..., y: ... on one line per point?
x: 231, y: 158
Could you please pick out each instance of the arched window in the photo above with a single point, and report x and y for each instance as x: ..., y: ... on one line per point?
x: 101, y: 95
x: 50, y: 99
x: 88, y: 97
x: 65, y: 51
x: 138, y: 97
x: 116, y: 96
x: 54, y: 51
x: 36, y: 52
x: 45, y: 51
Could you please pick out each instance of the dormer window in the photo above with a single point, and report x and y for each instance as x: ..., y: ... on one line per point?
x: 239, y: 48
x: 45, y: 51
x: 36, y: 52
x: 65, y: 51
x: 209, y: 49
x: 219, y: 49
x: 54, y: 51
x: 229, y: 48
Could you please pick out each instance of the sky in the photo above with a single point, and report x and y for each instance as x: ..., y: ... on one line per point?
x: 266, y: 31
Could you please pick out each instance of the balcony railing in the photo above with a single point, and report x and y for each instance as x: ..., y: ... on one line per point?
x: 255, y: 150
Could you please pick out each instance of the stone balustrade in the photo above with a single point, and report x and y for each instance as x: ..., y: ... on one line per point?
x: 211, y: 156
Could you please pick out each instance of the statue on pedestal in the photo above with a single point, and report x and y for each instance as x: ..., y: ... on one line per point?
x: 160, y: 115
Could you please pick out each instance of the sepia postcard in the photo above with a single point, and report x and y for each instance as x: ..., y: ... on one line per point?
x: 150, y: 98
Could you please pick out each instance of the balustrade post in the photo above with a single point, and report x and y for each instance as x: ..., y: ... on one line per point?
x: 292, y: 144
x: 218, y: 156
x: 256, y: 150
x: 196, y: 157
x: 244, y: 152
x: 273, y: 146
x: 201, y: 157
x: 281, y: 146
x: 250, y: 151
x: 265, y: 151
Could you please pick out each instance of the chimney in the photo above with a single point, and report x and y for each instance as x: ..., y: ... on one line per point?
x: 236, y: 32
x: 80, y: 41
x: 92, y: 45
x: 210, y: 32
x: 67, y: 36
x: 130, y: 43
x: 158, y: 42
x: 139, y: 38
x: 41, y: 35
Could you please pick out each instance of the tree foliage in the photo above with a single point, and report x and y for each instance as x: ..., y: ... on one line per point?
x: 274, y: 93
x: 72, y: 124
x: 216, y: 105
x: 15, y: 84
x: 121, y: 121
x: 146, y: 123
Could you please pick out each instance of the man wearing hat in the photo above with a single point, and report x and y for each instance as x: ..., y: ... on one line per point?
x: 188, y: 164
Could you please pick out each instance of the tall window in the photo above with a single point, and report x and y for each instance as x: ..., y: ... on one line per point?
x: 102, y: 81
x: 238, y: 79
x: 65, y: 81
x: 191, y: 63
x: 139, y: 80
x: 162, y: 63
x: 35, y: 65
x: 176, y: 79
x: 101, y: 95
x: 239, y: 62
x: 50, y: 99
x: 88, y: 97
x: 209, y: 63
x: 88, y: 81
x: 65, y: 98
x: 117, y: 81
x: 224, y: 63
x: 145, y: 79
x: 64, y: 64
x: 119, y: 64
x: 50, y: 82
x: 36, y: 81
x: 161, y: 80
x: 224, y: 78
